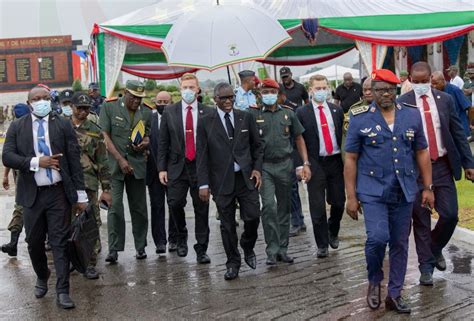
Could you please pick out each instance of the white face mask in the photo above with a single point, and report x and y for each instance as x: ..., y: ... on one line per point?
x: 41, y: 107
x: 421, y: 89
x: 67, y: 111
x: 188, y: 95
x: 320, y: 96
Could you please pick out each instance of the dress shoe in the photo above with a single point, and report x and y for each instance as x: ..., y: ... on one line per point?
x: 41, y: 287
x: 91, y: 273
x: 398, y: 304
x: 271, y: 260
x: 160, y: 249
x: 112, y: 257
x: 182, y: 250
x: 11, y: 248
x: 323, y: 252
x: 231, y: 273
x: 172, y: 247
x: 333, y: 241
x: 251, y: 259
x: 426, y: 278
x: 440, y: 263
x: 203, y: 258
x: 141, y: 254
x: 294, y: 231
x: 285, y: 258
x: 64, y: 301
x: 373, y: 296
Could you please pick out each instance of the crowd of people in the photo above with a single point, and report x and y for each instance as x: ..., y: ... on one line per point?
x: 394, y: 158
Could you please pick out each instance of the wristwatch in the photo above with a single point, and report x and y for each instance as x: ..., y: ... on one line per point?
x: 428, y: 188
x: 307, y: 163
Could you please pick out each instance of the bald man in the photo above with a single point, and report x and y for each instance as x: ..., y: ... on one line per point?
x: 348, y: 93
x: 460, y: 101
x: 156, y: 190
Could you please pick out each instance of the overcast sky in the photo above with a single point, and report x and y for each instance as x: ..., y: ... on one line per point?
x: 32, y: 18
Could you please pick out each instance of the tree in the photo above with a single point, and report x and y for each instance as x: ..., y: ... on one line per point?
x: 150, y: 85
x: 77, y: 85
x: 172, y: 88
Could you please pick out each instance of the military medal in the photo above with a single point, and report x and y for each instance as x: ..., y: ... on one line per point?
x: 366, y: 130
x: 372, y: 109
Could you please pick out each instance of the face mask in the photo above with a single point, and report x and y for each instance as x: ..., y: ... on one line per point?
x: 160, y: 108
x: 67, y: 111
x: 320, y: 96
x: 188, y: 95
x: 269, y: 99
x: 421, y: 89
x: 41, y: 107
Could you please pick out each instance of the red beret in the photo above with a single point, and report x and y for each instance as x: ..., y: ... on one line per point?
x: 385, y: 75
x: 268, y: 82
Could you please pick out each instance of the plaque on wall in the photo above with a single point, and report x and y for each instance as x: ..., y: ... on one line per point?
x: 23, y: 69
x: 3, y: 71
x: 46, y: 68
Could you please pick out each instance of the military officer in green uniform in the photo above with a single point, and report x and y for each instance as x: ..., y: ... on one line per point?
x: 119, y: 119
x: 94, y: 164
x: 16, y: 224
x: 366, y: 100
x: 277, y: 127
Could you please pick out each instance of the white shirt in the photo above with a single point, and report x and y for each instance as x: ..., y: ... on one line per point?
x: 436, y: 122
x: 41, y: 176
x: 231, y: 117
x: 457, y: 81
x: 332, y: 130
x: 194, y: 112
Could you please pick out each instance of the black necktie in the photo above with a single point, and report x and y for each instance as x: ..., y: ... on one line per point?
x: 228, y: 125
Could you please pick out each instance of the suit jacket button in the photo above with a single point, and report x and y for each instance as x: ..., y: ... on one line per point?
x: 397, y: 171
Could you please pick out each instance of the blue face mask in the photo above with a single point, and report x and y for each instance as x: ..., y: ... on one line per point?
x: 67, y: 111
x: 320, y: 96
x: 41, y: 107
x: 188, y: 95
x: 421, y: 89
x: 269, y: 99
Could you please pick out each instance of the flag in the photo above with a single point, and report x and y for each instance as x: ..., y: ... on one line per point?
x: 138, y: 133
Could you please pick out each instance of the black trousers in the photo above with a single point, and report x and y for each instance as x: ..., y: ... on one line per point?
x: 51, y: 215
x: 249, y: 212
x: 326, y: 184
x: 177, y: 192
x: 157, y: 193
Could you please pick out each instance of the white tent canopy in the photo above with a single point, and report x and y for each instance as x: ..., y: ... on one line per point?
x: 334, y: 72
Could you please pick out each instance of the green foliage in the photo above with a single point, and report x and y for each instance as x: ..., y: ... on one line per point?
x: 150, y: 85
x: 207, y: 100
x: 172, y: 88
x: 77, y: 85
x: 161, y: 88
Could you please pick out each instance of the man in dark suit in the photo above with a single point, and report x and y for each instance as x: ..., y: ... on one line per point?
x: 44, y: 149
x: 323, y: 123
x: 157, y: 191
x: 177, y: 166
x: 450, y: 153
x: 229, y: 154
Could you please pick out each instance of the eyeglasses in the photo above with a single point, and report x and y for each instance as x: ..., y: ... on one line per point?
x: 224, y: 98
x: 386, y: 90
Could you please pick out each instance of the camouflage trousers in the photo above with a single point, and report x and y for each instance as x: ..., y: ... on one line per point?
x: 16, y: 224
x: 93, y: 200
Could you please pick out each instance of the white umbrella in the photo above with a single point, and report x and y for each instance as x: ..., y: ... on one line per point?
x: 215, y: 36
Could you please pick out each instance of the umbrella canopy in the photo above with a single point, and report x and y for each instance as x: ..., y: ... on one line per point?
x: 334, y: 72
x: 215, y: 36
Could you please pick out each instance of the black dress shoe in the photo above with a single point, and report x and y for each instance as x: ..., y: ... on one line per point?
x: 426, y: 278
x: 112, y: 257
x: 172, y: 247
x: 160, y: 249
x: 141, y: 255
x: 251, y: 259
x: 398, y: 304
x: 373, y: 296
x: 182, y: 250
x: 323, y: 252
x: 285, y: 258
x: 333, y: 241
x: 203, y: 258
x: 41, y: 287
x: 440, y: 263
x: 231, y: 273
x: 64, y: 301
x: 91, y: 273
x: 271, y: 260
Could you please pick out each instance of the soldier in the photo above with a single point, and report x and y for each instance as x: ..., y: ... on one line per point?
x: 366, y: 101
x: 118, y: 119
x: 94, y: 165
x: 97, y: 98
x: 384, y: 147
x: 277, y: 126
x: 65, y: 98
x: 244, y: 96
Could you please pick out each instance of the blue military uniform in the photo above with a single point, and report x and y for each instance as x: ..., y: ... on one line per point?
x: 386, y: 184
x: 244, y: 99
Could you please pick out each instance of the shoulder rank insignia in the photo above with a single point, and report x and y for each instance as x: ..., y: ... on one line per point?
x: 409, y: 105
x: 111, y: 99
x: 92, y: 134
x: 254, y: 107
x: 148, y: 105
x: 359, y: 110
x: 287, y: 107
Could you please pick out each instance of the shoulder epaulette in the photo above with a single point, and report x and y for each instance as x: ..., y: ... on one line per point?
x: 111, y: 99
x: 287, y: 107
x: 359, y: 110
x: 254, y: 107
x: 149, y: 105
x: 409, y: 105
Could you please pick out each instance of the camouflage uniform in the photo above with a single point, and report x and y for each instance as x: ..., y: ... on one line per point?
x: 95, y: 167
x: 16, y: 223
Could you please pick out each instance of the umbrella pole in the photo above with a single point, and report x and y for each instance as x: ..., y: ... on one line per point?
x: 228, y: 70
x: 275, y: 72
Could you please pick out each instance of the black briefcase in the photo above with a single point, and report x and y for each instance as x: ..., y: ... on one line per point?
x: 84, y: 235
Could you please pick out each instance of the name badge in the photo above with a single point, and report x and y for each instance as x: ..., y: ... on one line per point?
x: 260, y: 120
x: 410, y: 133
x: 119, y: 118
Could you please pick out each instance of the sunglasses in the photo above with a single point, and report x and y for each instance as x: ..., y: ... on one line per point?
x: 224, y: 98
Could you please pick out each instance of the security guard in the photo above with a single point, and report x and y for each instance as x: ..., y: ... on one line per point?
x: 94, y: 164
x: 277, y: 127
x: 97, y: 98
x: 385, y: 147
x: 118, y: 119
x: 244, y: 96
x: 65, y: 98
x: 365, y: 101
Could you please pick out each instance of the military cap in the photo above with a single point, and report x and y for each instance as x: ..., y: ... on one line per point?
x: 285, y: 71
x: 94, y: 86
x: 246, y: 73
x: 81, y: 99
x: 66, y: 95
x: 269, y: 83
x: 21, y: 110
x: 404, y: 73
x: 452, y: 67
x: 136, y: 88
x: 385, y: 75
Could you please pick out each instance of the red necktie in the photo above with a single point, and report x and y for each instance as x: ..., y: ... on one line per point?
x: 190, y: 148
x: 325, y: 128
x: 430, y: 129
